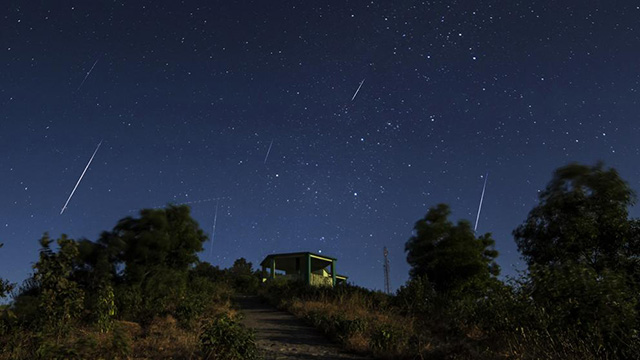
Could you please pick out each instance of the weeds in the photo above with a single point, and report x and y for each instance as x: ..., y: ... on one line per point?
x: 225, y: 339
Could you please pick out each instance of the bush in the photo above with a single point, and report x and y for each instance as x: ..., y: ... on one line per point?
x: 60, y: 298
x: 346, y: 328
x: 599, y: 308
x: 385, y: 339
x: 226, y: 339
x: 201, y: 295
x: 129, y: 301
x: 416, y: 297
x: 120, y: 346
x: 105, y: 307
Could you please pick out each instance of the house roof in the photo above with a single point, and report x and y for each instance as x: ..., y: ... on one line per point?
x: 294, y: 255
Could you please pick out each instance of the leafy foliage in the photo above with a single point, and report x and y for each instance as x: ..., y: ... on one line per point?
x: 599, y: 307
x: 583, y: 256
x: 105, y: 309
x: 156, y: 252
x: 449, y: 255
x: 416, y: 296
x: 5, y: 286
x: 60, y: 298
x: 226, y: 339
x: 160, y: 239
x: 131, y: 284
x: 582, y: 217
x: 243, y: 278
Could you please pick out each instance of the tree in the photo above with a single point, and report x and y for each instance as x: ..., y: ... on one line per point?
x: 160, y: 239
x: 155, y: 253
x: 5, y: 286
x: 241, y: 267
x: 582, y: 217
x: 451, y: 256
x: 60, y: 298
x: 583, y: 255
x: 208, y: 271
x: 243, y: 278
x: 95, y: 272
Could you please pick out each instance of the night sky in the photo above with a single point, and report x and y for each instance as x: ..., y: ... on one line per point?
x: 188, y: 98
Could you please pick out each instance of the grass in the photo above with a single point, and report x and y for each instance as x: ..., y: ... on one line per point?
x: 361, y: 320
x: 164, y: 337
x: 381, y: 325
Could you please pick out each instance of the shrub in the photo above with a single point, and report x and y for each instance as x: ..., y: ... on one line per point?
x: 61, y: 299
x: 599, y: 308
x: 5, y: 286
x: 129, y: 301
x: 120, y: 343
x: 202, y: 294
x: 105, y: 307
x: 346, y: 328
x: 226, y: 339
x: 416, y: 297
x: 386, y: 339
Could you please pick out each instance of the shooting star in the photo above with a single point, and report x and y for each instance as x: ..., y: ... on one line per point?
x: 268, y: 151
x: 486, y: 177
x: 80, y: 179
x: 88, y: 73
x: 213, y: 231
x: 356, y: 93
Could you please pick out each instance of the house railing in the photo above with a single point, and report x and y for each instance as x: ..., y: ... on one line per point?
x: 317, y: 280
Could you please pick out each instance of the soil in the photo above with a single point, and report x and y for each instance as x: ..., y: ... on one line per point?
x: 280, y: 335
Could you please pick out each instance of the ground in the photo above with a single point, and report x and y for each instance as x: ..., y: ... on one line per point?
x: 279, y: 335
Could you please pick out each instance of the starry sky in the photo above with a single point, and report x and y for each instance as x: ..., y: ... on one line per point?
x: 247, y: 109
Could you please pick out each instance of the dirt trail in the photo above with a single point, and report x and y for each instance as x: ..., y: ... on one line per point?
x: 280, y: 335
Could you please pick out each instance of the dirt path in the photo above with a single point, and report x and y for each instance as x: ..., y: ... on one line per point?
x: 280, y: 335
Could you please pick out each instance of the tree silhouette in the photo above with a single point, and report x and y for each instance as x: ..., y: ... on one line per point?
x: 60, y: 298
x: 582, y: 217
x: 450, y: 255
x: 243, y: 278
x: 241, y: 267
x: 584, y: 258
x: 152, y: 255
x: 159, y: 239
x: 5, y: 286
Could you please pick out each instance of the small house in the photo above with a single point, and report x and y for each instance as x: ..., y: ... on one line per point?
x: 313, y: 269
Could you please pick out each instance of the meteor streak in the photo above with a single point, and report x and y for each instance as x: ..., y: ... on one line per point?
x: 80, y: 179
x: 268, y: 151
x: 481, y: 198
x: 356, y: 93
x: 88, y: 73
x: 213, y: 231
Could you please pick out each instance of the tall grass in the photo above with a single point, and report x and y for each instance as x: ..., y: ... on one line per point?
x: 175, y: 334
x: 417, y: 323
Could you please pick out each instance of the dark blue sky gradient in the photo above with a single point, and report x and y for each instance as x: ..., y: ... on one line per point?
x: 188, y: 96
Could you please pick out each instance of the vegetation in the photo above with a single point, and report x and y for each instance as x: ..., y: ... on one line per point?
x: 449, y: 255
x: 224, y: 338
x: 137, y: 292
x: 243, y: 278
x: 5, y: 286
x: 583, y: 256
x: 579, y: 299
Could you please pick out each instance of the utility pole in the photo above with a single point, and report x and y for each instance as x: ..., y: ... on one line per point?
x: 387, y: 287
